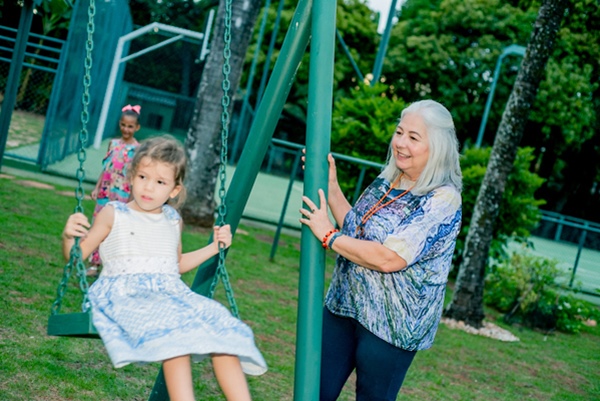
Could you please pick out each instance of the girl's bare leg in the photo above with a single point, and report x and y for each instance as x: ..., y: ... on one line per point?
x: 231, y: 378
x: 178, y: 377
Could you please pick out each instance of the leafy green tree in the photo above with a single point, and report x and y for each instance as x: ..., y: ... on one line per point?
x: 566, y: 115
x: 447, y: 50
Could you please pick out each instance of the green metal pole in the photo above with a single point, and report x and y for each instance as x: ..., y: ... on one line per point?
x: 512, y: 49
x: 312, y: 256
x: 14, y: 73
x: 385, y: 38
x: 265, y: 74
x: 359, y: 74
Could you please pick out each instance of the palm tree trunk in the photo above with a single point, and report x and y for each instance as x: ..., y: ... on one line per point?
x: 203, y: 142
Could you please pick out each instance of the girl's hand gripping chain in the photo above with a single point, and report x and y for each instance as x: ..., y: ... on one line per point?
x: 77, y: 226
x: 222, y: 236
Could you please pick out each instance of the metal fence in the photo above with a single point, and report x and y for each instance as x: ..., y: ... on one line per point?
x: 285, y: 157
x: 42, y: 58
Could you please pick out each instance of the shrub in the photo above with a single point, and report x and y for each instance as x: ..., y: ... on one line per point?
x: 527, y: 289
x: 519, y: 210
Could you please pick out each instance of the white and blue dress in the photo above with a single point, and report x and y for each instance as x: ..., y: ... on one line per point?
x: 142, y: 309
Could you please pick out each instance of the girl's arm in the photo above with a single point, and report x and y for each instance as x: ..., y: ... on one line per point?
x: 190, y: 260
x: 78, y: 225
x: 94, y: 193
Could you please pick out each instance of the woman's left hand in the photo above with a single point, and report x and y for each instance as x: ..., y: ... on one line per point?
x: 316, y: 218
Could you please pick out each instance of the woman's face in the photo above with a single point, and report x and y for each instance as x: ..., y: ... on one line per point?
x: 410, y: 145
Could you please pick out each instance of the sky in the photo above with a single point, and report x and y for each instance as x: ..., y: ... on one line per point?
x: 383, y: 6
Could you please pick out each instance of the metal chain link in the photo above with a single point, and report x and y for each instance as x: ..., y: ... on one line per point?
x: 75, y: 258
x: 221, y: 272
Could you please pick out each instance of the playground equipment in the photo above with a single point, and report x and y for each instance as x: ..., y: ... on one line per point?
x: 311, y: 18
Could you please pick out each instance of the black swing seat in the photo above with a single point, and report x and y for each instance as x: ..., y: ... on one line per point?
x: 72, y: 325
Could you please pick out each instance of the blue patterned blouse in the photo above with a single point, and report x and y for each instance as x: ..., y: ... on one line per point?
x: 403, y: 308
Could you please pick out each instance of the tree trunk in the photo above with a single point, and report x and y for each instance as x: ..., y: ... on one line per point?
x: 467, y: 301
x: 203, y: 142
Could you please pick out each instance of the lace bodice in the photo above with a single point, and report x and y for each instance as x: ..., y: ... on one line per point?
x: 141, y: 242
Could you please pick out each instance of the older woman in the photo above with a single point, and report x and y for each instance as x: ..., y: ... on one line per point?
x: 394, y: 251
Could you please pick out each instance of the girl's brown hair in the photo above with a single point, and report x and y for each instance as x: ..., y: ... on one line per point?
x: 164, y: 149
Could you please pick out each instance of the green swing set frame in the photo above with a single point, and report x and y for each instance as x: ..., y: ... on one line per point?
x: 312, y: 18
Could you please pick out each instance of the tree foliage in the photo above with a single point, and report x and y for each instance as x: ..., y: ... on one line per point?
x: 527, y: 289
x: 519, y: 210
x: 357, y: 25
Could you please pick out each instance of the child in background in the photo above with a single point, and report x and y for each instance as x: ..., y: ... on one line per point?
x: 112, y: 184
x: 141, y: 308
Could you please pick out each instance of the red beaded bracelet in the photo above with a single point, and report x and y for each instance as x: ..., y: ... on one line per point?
x: 325, y: 240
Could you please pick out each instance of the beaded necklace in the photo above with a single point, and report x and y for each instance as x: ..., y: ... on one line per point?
x: 360, y: 229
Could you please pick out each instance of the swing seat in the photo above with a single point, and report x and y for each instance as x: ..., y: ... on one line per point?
x: 72, y: 325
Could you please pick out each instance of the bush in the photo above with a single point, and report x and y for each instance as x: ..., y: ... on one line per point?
x: 526, y: 288
x: 519, y: 210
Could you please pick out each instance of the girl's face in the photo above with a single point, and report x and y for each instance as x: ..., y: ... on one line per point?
x: 153, y: 185
x: 128, y: 125
x: 410, y: 145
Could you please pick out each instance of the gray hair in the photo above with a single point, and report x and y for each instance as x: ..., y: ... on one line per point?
x: 443, y: 167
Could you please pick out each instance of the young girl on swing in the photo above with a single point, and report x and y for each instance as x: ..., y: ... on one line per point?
x: 141, y: 308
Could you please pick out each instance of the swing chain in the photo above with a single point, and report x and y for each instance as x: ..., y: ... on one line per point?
x: 75, y: 258
x: 222, y: 210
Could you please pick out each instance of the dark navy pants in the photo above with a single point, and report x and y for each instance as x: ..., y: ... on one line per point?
x: 380, y: 367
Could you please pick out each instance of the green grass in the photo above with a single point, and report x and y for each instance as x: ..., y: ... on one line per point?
x: 35, y: 366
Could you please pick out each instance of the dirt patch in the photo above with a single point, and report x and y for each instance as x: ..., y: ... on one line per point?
x: 267, y: 239
x: 34, y: 184
x: 8, y: 177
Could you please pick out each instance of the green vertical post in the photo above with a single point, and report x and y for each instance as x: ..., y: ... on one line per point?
x: 385, y: 38
x: 14, y: 73
x: 312, y: 257
x: 512, y: 49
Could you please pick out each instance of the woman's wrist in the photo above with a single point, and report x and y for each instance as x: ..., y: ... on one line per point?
x: 332, y: 239
x: 326, y: 239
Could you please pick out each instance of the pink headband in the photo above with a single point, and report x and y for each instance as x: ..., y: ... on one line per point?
x: 137, y: 108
